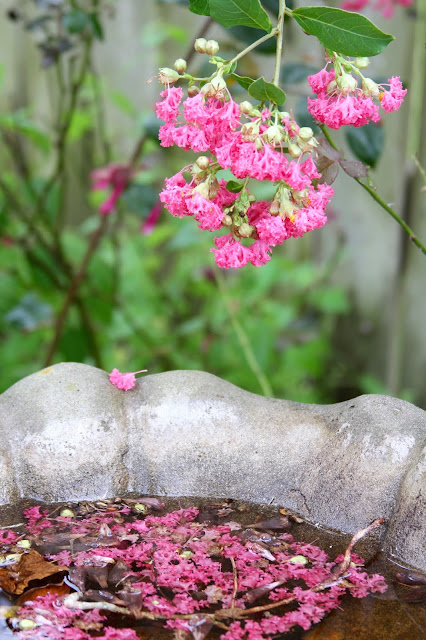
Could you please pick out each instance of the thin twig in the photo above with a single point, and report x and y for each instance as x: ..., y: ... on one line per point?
x: 243, y: 339
x: 76, y: 282
x: 234, y: 572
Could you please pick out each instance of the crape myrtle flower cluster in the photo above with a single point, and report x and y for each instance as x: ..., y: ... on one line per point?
x: 341, y: 101
x: 181, y: 570
x: 259, y: 143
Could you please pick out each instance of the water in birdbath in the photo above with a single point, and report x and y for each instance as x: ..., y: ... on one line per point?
x: 187, y: 569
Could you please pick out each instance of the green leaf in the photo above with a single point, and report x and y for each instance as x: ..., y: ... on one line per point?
x: 345, y: 32
x: 262, y: 90
x: 202, y: 7
x: 81, y: 122
x: 295, y: 72
x: 244, y: 81
x: 96, y: 26
x: 231, y: 13
x: 19, y: 122
x: 249, y: 35
x: 366, y: 143
x: 233, y: 186
x: 123, y: 102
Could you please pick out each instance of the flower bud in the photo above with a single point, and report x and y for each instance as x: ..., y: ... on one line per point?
x: 294, y: 150
x: 192, y: 91
x: 212, y: 47
x: 218, y: 83
x: 168, y: 76
x: 370, y: 88
x: 227, y: 221
x: 207, y: 90
x: 250, y: 130
x: 286, y: 209
x: 180, y: 65
x: 274, y: 134
x: 274, y: 209
x: 305, y: 133
x: 299, y: 196
x: 213, y: 189
x: 203, y: 189
x: 361, y: 63
x: 331, y: 87
x: 246, y: 107
x: 200, y: 45
x: 245, y: 230
x: 252, y: 198
x: 258, y: 144
x: 67, y: 513
x: 203, y: 162
x: 346, y: 83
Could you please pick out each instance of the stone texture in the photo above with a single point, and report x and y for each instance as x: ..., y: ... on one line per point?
x: 68, y: 434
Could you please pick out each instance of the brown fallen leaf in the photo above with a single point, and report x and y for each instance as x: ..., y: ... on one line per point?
x: 29, y: 595
x: 15, y: 576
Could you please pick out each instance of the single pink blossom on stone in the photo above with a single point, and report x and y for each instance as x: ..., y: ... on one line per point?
x: 124, y: 381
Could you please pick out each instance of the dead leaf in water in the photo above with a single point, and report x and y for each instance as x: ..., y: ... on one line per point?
x: 15, y: 577
x: 29, y: 595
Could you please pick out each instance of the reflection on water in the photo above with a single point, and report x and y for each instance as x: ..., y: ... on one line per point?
x: 388, y: 616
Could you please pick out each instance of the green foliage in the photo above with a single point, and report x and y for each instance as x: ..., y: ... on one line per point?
x: 231, y: 13
x: 263, y: 90
x: 153, y: 300
x: 345, y: 32
x: 243, y: 81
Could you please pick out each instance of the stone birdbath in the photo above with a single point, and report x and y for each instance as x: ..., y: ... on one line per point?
x: 69, y: 435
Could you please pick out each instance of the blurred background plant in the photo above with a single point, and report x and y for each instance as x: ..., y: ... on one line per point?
x: 136, y: 287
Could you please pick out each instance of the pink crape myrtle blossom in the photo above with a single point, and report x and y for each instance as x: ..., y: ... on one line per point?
x: 250, y: 144
x: 341, y: 102
x: 7, y: 536
x: 180, y: 555
x: 114, y: 176
x: 124, y: 381
x: 386, y: 7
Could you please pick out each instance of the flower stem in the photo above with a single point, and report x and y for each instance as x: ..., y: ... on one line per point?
x: 243, y: 339
x: 253, y: 45
x: 414, y: 239
x: 280, y: 30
